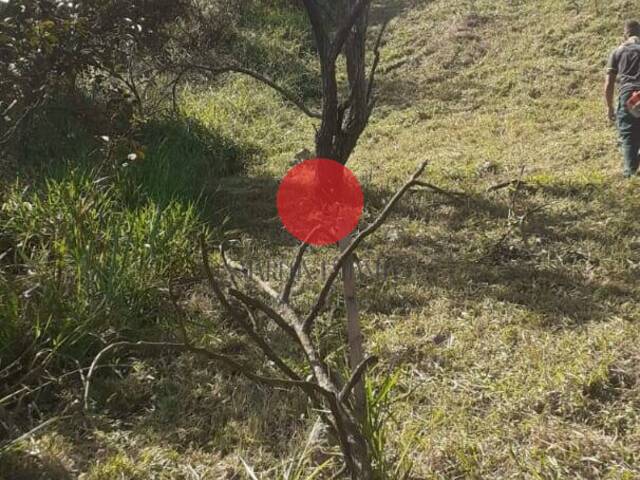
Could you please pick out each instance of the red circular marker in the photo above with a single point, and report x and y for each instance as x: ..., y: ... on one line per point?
x: 320, y: 201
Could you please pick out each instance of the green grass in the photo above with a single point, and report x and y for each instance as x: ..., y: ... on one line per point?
x: 83, y: 264
x: 511, y: 318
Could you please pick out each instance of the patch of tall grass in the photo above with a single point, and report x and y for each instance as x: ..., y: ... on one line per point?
x: 277, y: 39
x: 78, y: 263
x: 179, y: 159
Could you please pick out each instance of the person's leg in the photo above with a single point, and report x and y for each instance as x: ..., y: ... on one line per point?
x: 635, y: 143
x: 628, y: 127
x: 630, y: 152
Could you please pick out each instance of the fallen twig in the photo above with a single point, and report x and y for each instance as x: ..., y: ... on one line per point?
x: 516, y: 182
x: 442, y: 191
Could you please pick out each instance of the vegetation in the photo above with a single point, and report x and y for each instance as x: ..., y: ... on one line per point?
x: 506, y: 323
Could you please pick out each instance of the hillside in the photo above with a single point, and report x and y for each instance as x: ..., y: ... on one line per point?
x: 509, y: 316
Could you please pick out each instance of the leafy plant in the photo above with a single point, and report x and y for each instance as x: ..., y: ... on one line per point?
x: 379, y: 397
x: 299, y: 467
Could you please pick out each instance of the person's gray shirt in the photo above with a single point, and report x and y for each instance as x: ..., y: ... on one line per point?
x: 625, y: 62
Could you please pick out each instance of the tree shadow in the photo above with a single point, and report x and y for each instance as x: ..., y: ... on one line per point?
x: 20, y: 465
x: 189, y: 402
x: 169, y: 158
x: 386, y: 10
x: 248, y: 206
x: 426, y: 70
x: 183, y: 160
x: 537, y: 266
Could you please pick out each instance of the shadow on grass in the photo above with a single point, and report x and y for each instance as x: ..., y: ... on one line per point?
x: 166, y: 159
x: 20, y: 465
x: 472, y: 255
x: 181, y: 402
x: 468, y: 261
x: 248, y: 205
x: 386, y: 10
x: 183, y: 160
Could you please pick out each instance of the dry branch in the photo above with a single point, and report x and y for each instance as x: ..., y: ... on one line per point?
x: 356, y: 376
x: 336, y: 404
x: 256, y: 304
x: 293, y: 273
x: 10, y: 444
x: 324, y: 293
x: 376, y: 62
x: 242, y: 322
x: 343, y: 32
x: 286, y: 94
x: 509, y: 183
x: 235, y: 366
x: 442, y: 191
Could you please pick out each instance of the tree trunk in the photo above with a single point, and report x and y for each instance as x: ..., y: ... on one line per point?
x: 354, y: 447
x: 354, y: 330
x: 361, y: 468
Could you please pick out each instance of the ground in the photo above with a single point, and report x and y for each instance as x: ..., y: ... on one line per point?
x: 510, y: 316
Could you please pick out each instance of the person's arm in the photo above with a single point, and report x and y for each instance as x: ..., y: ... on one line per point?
x: 609, y: 89
x: 610, y: 84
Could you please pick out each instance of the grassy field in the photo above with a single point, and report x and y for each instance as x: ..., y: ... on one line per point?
x: 508, y: 317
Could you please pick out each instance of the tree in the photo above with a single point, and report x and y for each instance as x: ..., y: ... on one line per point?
x: 340, y: 30
x: 333, y: 398
x: 343, y: 121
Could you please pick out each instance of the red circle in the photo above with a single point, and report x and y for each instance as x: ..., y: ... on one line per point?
x: 320, y: 201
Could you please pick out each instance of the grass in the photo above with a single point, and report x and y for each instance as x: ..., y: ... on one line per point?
x: 509, y: 318
x: 82, y: 264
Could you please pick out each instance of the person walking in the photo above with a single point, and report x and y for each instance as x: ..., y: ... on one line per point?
x: 624, y: 66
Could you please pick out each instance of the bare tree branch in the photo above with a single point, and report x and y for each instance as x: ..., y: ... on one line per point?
x: 318, y: 367
x: 447, y: 193
x: 267, y: 310
x: 344, y: 30
x: 235, y: 366
x: 376, y: 62
x: 180, y: 313
x: 324, y: 293
x: 7, y: 446
x: 314, y: 11
x: 209, y: 273
x: 174, y: 89
x: 265, y: 286
x: 286, y: 94
x: 6, y: 137
x: 242, y: 322
x: 225, y: 262
x: 334, y: 403
x: 509, y: 183
x: 357, y: 374
x: 293, y: 273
